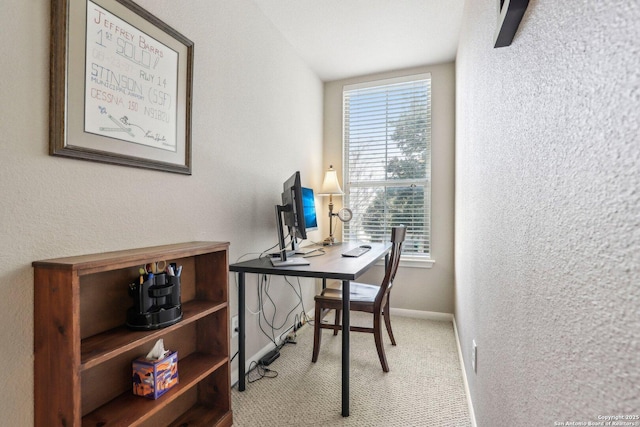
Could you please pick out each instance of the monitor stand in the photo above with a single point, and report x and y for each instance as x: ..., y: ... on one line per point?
x: 289, y: 262
x: 284, y: 254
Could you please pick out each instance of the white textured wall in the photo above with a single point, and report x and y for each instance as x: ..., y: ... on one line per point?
x: 548, y: 212
x: 415, y: 288
x: 257, y: 117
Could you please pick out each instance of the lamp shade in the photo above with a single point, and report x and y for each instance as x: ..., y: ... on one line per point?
x: 330, y: 185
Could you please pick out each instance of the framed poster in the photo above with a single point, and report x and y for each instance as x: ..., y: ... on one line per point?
x: 121, y: 86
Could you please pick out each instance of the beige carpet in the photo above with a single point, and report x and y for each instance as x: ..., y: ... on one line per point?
x: 423, y: 388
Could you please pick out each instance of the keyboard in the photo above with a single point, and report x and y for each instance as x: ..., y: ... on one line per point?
x: 356, y: 252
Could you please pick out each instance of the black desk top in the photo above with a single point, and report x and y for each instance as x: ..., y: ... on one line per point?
x: 331, y: 265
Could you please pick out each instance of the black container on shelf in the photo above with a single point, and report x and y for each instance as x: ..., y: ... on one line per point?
x: 156, y: 302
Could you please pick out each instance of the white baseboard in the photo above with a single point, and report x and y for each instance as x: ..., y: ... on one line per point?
x: 418, y: 314
x: 472, y: 414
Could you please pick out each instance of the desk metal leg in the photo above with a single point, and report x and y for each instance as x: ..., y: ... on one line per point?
x: 345, y: 346
x: 241, y: 329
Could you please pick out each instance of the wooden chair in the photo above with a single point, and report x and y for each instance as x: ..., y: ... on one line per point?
x: 363, y: 297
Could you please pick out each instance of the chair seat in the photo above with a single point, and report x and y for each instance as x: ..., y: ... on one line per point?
x: 358, y: 292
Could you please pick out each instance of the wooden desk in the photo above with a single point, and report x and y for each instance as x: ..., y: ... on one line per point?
x: 331, y: 265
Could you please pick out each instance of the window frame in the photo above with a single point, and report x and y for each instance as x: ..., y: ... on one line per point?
x: 413, y: 259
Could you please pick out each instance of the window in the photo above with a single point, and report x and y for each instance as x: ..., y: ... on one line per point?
x: 387, y: 160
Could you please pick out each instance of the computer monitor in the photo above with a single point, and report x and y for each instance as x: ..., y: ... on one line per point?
x: 297, y: 212
x: 309, y: 209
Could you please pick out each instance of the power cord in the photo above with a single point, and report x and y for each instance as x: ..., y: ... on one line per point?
x: 260, y: 372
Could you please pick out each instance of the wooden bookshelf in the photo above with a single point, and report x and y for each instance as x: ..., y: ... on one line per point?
x: 83, y: 351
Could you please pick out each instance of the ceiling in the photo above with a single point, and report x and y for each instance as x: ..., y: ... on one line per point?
x: 347, y: 38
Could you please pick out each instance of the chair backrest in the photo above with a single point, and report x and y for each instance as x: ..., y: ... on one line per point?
x: 397, y: 239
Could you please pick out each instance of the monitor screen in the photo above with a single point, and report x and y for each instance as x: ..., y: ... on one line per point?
x: 309, y: 208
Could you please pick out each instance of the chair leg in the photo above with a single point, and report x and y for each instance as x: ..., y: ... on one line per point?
x: 387, y: 322
x: 336, y: 321
x: 316, y: 333
x: 377, y: 334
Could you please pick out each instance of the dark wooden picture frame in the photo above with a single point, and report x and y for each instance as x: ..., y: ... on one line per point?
x: 123, y: 98
x: 511, y: 13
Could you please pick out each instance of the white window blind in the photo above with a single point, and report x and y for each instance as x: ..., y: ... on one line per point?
x: 387, y: 160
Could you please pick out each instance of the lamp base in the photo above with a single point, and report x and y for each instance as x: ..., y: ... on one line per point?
x: 329, y: 241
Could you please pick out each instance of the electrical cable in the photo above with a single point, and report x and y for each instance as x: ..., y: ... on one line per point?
x: 267, y: 250
x: 261, y: 371
x: 304, y: 310
x: 235, y: 278
x: 272, y: 324
x: 264, y: 283
x: 298, y: 294
x: 261, y: 305
x: 247, y: 254
x: 286, y: 243
x: 288, y: 314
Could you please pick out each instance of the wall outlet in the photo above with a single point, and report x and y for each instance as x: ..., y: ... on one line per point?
x: 474, y: 356
x: 234, y: 327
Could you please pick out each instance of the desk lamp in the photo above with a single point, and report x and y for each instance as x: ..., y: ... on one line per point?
x: 330, y: 187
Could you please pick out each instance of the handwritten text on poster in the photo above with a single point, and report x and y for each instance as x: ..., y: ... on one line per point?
x: 131, y: 83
